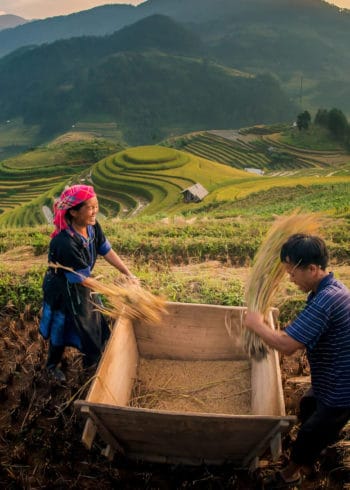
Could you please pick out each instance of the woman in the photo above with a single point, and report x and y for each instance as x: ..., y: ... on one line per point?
x: 70, y: 317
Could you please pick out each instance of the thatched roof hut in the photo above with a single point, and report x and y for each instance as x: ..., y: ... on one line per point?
x: 195, y: 193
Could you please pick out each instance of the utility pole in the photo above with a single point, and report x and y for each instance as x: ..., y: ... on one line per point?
x: 301, y: 91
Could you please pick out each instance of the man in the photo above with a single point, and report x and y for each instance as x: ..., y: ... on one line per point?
x: 323, y: 329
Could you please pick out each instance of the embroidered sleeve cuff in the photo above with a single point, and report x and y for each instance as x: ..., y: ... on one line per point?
x: 78, y: 276
x: 104, y: 248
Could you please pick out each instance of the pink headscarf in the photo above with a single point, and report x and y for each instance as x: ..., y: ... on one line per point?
x: 70, y: 197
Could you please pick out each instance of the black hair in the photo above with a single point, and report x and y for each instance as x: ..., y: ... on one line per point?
x: 302, y: 250
x: 68, y: 216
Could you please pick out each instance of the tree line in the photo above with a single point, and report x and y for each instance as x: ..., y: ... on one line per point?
x: 334, y: 120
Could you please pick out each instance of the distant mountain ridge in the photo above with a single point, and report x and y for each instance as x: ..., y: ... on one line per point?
x: 7, y: 21
x: 151, y: 78
x: 95, y: 22
x: 292, y: 39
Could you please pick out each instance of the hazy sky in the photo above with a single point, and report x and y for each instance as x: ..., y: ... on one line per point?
x: 39, y: 9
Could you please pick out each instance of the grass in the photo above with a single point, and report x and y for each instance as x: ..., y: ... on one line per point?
x: 31, y: 180
x: 315, y: 138
x: 148, y: 180
x: 170, y: 244
x: 16, y: 133
x: 156, y: 176
x: 266, y: 148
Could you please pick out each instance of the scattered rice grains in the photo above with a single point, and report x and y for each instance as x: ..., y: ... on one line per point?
x: 193, y: 386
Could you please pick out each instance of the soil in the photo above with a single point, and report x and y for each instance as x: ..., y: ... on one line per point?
x: 40, y: 431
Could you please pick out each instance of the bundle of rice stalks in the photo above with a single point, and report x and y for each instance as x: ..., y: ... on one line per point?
x: 129, y: 300
x: 268, y: 271
x: 125, y: 298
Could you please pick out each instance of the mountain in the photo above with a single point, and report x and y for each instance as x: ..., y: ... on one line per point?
x: 302, y: 42
x: 152, y: 78
x: 97, y: 22
x: 7, y: 21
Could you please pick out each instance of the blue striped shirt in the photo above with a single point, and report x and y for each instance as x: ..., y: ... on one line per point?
x: 324, y: 328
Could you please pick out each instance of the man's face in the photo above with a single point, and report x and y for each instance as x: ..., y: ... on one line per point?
x: 303, y: 277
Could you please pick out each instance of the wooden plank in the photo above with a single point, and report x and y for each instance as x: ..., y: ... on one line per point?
x: 276, y: 428
x: 106, y: 434
x: 276, y: 446
x: 108, y: 452
x: 187, y: 436
x: 193, y: 332
x: 266, y: 384
x: 89, y: 433
x: 117, y: 370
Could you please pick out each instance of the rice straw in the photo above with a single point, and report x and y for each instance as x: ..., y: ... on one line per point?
x: 125, y: 298
x: 268, y: 271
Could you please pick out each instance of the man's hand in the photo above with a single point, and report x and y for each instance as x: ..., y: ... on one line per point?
x: 253, y: 320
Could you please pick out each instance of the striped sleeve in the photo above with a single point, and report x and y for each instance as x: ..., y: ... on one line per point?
x: 309, y: 325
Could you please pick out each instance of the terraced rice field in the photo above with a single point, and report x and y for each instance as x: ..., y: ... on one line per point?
x: 265, y: 152
x: 150, y: 180
x: 31, y: 180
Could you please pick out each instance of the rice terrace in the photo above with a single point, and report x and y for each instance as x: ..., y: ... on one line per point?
x: 189, y: 251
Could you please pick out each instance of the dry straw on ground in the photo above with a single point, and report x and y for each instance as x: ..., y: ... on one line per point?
x: 125, y: 298
x: 268, y: 271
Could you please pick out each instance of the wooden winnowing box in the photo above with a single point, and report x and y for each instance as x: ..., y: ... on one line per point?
x: 191, y: 340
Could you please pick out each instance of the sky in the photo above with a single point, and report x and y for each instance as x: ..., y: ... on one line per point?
x: 40, y: 9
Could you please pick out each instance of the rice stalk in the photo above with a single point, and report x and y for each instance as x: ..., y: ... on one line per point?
x: 267, y: 272
x: 126, y: 299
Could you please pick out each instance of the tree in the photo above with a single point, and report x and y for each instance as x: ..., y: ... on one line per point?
x: 322, y: 117
x: 338, y: 124
x: 303, y: 120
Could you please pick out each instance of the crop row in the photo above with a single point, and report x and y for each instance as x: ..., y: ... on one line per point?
x: 210, y: 147
x: 159, y: 191
x: 263, y: 152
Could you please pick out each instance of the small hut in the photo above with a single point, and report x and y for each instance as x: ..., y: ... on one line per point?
x: 195, y: 193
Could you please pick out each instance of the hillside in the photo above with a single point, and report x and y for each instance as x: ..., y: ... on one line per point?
x: 99, y: 21
x: 149, y: 78
x: 262, y: 170
x: 301, y: 40
x: 8, y: 21
x: 29, y: 181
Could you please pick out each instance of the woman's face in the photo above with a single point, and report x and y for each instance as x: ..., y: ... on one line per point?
x: 86, y: 215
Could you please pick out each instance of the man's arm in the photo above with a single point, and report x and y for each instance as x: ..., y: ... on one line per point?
x: 275, y: 339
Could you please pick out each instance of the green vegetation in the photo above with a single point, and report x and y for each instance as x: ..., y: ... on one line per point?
x: 31, y: 180
x: 157, y: 66
x: 17, y: 137
x: 304, y: 44
x: 159, y: 250
x: 149, y: 180
x: 161, y: 236
x: 315, y: 138
x: 268, y: 148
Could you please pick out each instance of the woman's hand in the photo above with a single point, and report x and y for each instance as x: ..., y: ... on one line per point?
x: 133, y: 279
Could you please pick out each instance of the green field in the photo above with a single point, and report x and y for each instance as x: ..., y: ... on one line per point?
x: 148, y: 181
x: 148, y: 222
x: 32, y: 179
